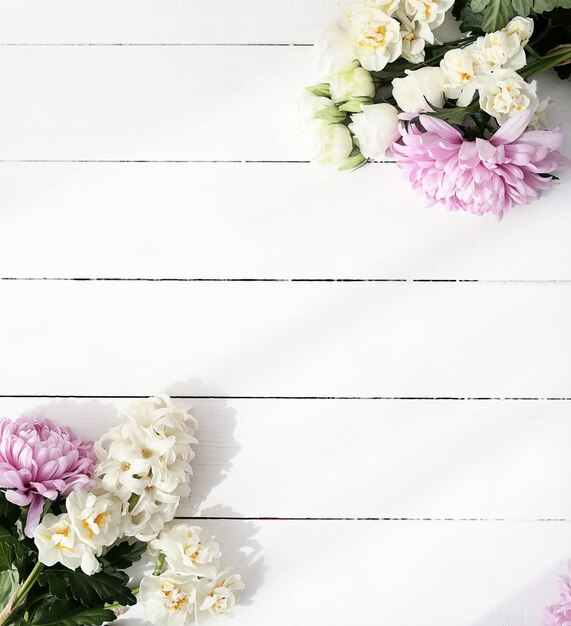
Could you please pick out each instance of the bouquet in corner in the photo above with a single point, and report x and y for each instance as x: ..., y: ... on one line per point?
x: 463, y: 118
x: 76, y: 515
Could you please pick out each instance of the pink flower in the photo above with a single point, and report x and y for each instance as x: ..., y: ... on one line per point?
x: 560, y: 614
x: 39, y: 460
x: 481, y: 176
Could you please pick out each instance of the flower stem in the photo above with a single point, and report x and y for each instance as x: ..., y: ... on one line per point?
x: 28, y: 583
x: 554, y: 58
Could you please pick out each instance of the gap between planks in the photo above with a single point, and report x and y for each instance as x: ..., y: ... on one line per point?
x: 497, y: 281
x: 369, y: 398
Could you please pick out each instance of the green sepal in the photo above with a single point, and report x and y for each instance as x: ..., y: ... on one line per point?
x: 322, y: 90
x: 330, y: 115
x: 354, y: 161
x: 355, y: 105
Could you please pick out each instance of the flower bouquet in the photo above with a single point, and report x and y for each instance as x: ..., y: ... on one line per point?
x: 76, y: 515
x: 462, y: 118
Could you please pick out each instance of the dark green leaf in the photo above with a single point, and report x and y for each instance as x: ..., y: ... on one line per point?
x: 540, y: 6
x: 10, y: 549
x: 100, y: 588
x: 479, y: 5
x: 8, y: 512
x: 496, y: 15
x: 124, y: 554
x: 9, y: 580
x: 469, y: 21
x: 522, y: 7
x: 54, y: 612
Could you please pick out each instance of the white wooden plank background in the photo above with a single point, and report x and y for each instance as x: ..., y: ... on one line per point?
x: 474, y: 489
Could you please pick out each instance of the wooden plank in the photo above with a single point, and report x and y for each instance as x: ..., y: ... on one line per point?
x: 286, y: 339
x: 361, y: 459
x: 227, y: 220
x: 167, y: 21
x: 165, y: 103
x: 400, y: 573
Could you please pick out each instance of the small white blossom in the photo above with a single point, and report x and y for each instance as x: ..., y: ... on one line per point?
x: 375, y: 35
x: 457, y: 71
x: 386, y: 6
x: 168, y: 599
x: 375, y: 129
x: 189, y: 550
x: 520, y: 26
x: 505, y: 93
x: 96, y: 519
x: 57, y: 542
x: 539, y: 121
x: 415, y: 36
x: 419, y: 89
x: 220, y: 595
x: 497, y: 51
x: 430, y: 11
x: 350, y: 84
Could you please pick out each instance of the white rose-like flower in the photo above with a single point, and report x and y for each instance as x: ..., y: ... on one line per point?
x: 335, y: 52
x: 496, y: 51
x: 168, y: 599
x: 96, y: 519
x: 57, y: 542
x: 189, y: 550
x: 333, y: 144
x: 375, y: 35
x: 308, y: 105
x: 522, y: 27
x: 505, y: 93
x: 375, y: 129
x: 457, y: 71
x: 350, y: 84
x: 430, y: 11
x: 419, y: 89
x: 415, y: 36
x: 220, y: 595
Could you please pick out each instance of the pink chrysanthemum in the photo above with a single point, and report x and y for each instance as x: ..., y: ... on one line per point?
x: 481, y: 176
x: 560, y: 614
x: 39, y: 460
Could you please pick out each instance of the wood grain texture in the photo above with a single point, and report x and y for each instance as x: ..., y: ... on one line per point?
x: 361, y: 459
x: 167, y: 21
x: 286, y: 339
x: 141, y: 103
x: 398, y: 573
x: 270, y: 221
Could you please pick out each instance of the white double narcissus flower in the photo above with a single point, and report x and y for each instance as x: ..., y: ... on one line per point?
x: 522, y: 27
x: 57, y: 542
x: 497, y: 51
x: 415, y: 36
x: 220, y: 595
x: 457, y: 71
x: 375, y: 129
x: 430, y: 11
x: 350, y: 84
x: 375, y: 35
x: 189, y: 550
x: 419, y: 89
x: 96, y: 519
x: 505, y: 93
x: 386, y: 6
x: 168, y: 599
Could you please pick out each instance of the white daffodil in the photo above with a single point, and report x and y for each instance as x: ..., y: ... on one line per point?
x: 220, y: 595
x: 520, y: 26
x: 189, y: 550
x: 415, y: 36
x: 168, y: 599
x: 335, y: 52
x: 57, y: 542
x: 375, y: 129
x: 457, y: 71
x: 419, y: 89
x: 386, y: 6
x: 505, y: 93
x: 96, y: 519
x: 332, y: 144
x: 375, y: 35
x: 350, y: 84
x: 497, y: 51
x: 430, y: 11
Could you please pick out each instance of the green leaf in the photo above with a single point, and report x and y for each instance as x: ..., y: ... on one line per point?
x: 479, y: 5
x: 470, y: 22
x: 57, y: 613
x: 496, y: 15
x: 8, y: 511
x: 100, y: 588
x: 522, y: 7
x: 124, y: 554
x: 323, y: 90
x: 10, y: 549
x: 540, y: 6
x: 9, y: 580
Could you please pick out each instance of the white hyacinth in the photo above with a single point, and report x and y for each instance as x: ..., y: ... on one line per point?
x: 145, y: 462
